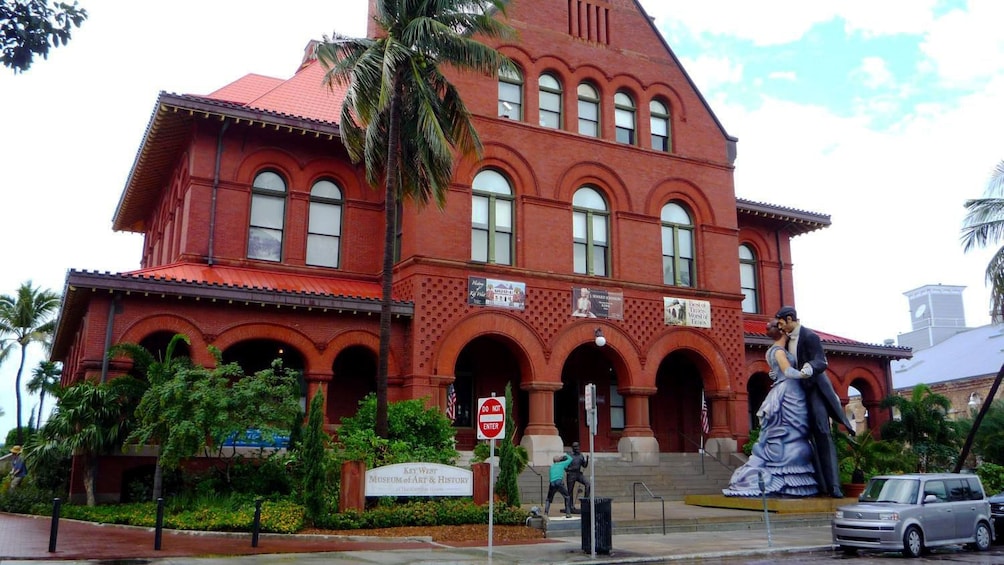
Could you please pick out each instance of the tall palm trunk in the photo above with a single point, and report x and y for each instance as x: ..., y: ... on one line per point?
x: 390, y: 231
x: 17, y: 392
x: 90, y: 473
x: 979, y: 420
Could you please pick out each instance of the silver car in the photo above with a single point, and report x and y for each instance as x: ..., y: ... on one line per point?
x: 911, y: 513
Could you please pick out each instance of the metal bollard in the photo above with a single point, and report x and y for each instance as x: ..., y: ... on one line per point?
x: 159, y: 530
x: 54, y: 528
x: 257, y: 522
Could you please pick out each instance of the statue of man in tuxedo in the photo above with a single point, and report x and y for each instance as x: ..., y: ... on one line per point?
x: 823, y: 401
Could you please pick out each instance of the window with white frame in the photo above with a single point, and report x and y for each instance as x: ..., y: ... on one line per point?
x: 550, y: 101
x: 624, y: 117
x: 748, y: 280
x: 589, y: 110
x: 590, y: 232
x: 511, y: 94
x: 268, y: 212
x: 492, y: 218
x: 677, y: 246
x: 659, y: 119
x: 324, y: 224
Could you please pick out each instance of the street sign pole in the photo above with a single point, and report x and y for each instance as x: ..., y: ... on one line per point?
x: 591, y: 421
x: 491, y: 426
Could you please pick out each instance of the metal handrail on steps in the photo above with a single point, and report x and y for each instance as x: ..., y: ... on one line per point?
x: 541, y: 477
x: 634, y: 502
x: 704, y: 452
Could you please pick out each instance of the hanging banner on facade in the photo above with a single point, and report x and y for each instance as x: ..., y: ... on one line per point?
x: 493, y: 292
x: 686, y: 312
x: 597, y: 303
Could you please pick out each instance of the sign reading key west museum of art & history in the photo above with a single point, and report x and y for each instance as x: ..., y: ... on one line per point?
x: 419, y: 479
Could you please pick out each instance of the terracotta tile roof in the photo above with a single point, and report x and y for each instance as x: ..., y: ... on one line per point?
x: 256, y: 279
x: 303, y: 95
x: 757, y: 329
x: 246, y: 89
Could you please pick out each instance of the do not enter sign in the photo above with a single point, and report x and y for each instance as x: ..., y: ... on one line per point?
x: 491, y: 418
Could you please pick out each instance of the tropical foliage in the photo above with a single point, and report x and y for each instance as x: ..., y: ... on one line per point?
x: 313, y: 457
x: 91, y: 419
x: 863, y: 456
x: 415, y: 433
x: 403, y: 119
x: 44, y: 379
x: 26, y: 318
x: 923, y: 425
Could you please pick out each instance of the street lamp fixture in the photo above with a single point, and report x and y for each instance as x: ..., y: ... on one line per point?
x: 600, y: 341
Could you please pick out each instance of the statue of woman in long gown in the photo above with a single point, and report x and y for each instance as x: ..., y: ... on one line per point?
x: 782, y: 453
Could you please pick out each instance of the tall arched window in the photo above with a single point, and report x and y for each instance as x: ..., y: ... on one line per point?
x: 324, y: 225
x: 677, y: 246
x: 659, y: 116
x: 268, y: 212
x: 624, y: 117
x: 511, y: 94
x: 590, y: 232
x: 747, y: 279
x: 492, y: 219
x: 550, y: 101
x: 589, y: 110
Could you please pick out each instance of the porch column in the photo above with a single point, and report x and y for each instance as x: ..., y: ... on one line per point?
x: 540, y: 438
x: 638, y: 443
x: 317, y: 382
x: 720, y: 441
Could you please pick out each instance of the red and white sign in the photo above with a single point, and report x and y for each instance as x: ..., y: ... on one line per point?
x: 491, y: 418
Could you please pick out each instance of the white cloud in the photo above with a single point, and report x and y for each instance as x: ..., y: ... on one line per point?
x: 713, y: 72
x: 967, y: 47
x: 874, y: 73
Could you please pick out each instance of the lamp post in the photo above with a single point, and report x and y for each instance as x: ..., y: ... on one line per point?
x: 600, y: 340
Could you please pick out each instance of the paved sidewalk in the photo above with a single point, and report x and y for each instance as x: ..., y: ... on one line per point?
x: 694, y: 533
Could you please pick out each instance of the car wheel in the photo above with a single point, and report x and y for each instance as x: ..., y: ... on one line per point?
x: 849, y: 551
x: 983, y: 537
x: 913, y: 542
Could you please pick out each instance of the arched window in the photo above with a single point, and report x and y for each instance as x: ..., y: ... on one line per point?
x: 511, y: 94
x: 268, y: 211
x: 492, y: 219
x: 590, y: 233
x: 550, y: 101
x: 589, y: 110
x: 659, y: 116
x: 624, y: 117
x: 747, y: 279
x: 677, y: 246
x: 324, y: 225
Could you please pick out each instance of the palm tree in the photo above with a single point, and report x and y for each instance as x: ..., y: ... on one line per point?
x: 983, y: 226
x: 26, y: 318
x: 923, y: 425
x: 44, y: 378
x: 403, y: 119
x: 92, y: 420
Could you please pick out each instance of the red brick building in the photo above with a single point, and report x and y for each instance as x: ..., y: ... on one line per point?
x: 605, y: 173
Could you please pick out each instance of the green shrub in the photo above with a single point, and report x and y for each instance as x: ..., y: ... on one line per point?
x: 25, y: 499
x: 415, y: 433
x: 992, y: 477
x: 444, y: 512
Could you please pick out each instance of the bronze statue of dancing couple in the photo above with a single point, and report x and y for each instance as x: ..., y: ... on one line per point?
x: 795, y: 454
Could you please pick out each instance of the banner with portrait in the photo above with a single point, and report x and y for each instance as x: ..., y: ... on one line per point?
x: 686, y: 312
x: 497, y: 293
x: 597, y: 303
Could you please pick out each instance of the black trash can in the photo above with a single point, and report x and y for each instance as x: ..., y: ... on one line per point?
x: 604, y: 525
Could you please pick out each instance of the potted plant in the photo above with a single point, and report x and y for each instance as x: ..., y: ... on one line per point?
x: 860, y: 457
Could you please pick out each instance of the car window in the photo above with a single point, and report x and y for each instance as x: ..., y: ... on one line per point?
x: 937, y: 488
x: 901, y: 491
x: 958, y: 489
x: 975, y: 488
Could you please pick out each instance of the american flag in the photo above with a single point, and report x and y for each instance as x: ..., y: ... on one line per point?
x: 451, y: 403
x: 705, y: 424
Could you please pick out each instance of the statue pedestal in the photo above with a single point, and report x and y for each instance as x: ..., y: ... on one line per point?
x: 542, y: 449
x: 639, y: 450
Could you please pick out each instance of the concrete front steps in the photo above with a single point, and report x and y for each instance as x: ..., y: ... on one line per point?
x: 676, y: 476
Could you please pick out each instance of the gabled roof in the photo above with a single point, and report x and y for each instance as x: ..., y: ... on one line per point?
x: 756, y: 334
x: 976, y: 352
x: 224, y: 284
x: 796, y: 222
x: 301, y: 104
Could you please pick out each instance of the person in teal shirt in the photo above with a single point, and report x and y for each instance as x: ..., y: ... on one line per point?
x: 557, y: 478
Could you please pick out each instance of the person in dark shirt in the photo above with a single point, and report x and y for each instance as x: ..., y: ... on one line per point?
x: 573, y: 474
x: 18, y: 470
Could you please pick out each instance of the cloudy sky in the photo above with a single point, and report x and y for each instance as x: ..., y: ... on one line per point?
x: 884, y: 115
